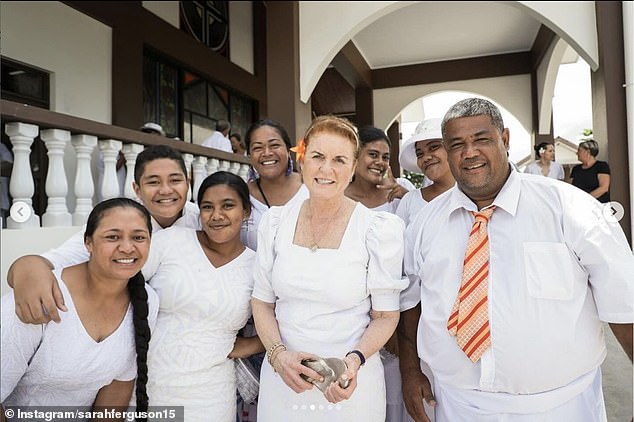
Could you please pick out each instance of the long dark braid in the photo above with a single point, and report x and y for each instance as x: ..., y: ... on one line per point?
x: 138, y: 298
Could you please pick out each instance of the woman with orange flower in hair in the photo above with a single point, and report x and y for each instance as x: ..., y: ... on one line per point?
x: 327, y: 286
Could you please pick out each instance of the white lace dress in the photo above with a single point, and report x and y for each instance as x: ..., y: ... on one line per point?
x: 201, y: 310
x: 322, y: 305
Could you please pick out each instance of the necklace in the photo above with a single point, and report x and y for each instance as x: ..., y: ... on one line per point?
x: 315, y: 242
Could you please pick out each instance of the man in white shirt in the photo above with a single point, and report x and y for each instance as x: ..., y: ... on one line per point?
x: 557, y: 269
x: 161, y: 184
x: 219, y: 139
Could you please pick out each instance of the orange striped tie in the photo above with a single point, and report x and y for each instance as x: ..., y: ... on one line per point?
x: 469, y: 320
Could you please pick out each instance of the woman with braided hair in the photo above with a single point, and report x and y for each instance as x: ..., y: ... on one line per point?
x: 107, y: 326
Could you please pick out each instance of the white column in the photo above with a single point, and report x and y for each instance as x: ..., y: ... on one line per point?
x: 212, y: 166
x: 21, y: 185
x: 110, y: 185
x: 84, y: 186
x: 56, y: 186
x: 234, y: 167
x: 130, y: 151
x: 224, y: 165
x: 244, y: 171
x: 199, y: 174
x: 188, y: 159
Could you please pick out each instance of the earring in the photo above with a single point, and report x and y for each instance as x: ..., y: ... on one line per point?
x: 252, y: 174
x: 289, y: 168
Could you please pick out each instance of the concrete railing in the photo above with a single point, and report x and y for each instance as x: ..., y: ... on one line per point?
x: 23, y: 124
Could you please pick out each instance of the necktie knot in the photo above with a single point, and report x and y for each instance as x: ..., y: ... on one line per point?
x: 483, y: 217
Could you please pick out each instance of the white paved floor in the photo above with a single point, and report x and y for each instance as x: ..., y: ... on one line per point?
x: 618, y: 379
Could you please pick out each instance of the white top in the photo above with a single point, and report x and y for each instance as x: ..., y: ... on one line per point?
x: 555, y: 171
x: 219, y: 141
x: 201, y: 310
x: 322, y: 302
x: 73, y: 251
x: 410, y: 205
x: 60, y: 364
x: 557, y: 269
x: 392, y: 206
x: 249, y: 231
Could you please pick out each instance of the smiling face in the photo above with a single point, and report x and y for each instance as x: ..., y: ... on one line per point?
x: 373, y: 162
x: 163, y: 190
x: 477, y: 155
x: 431, y: 158
x: 269, y: 154
x: 120, y: 243
x: 328, y: 165
x: 221, y: 214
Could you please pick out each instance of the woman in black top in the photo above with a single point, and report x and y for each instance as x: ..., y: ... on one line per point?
x: 592, y: 175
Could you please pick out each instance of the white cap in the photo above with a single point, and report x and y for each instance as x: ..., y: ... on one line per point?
x: 426, y: 130
x: 152, y: 128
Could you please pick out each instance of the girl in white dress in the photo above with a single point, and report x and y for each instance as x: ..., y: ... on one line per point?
x: 204, y: 280
x: 328, y: 277
x: 422, y: 152
x: 545, y: 163
x: 106, y: 324
x: 272, y: 182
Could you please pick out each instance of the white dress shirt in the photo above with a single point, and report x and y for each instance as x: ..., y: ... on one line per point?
x: 219, y: 141
x: 557, y: 269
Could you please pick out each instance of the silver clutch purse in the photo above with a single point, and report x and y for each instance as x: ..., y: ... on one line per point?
x: 330, y: 368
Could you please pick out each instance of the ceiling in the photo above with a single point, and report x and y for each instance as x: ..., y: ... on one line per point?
x: 409, y: 35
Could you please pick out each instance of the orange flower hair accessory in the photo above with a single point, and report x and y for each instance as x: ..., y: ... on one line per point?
x: 299, y: 150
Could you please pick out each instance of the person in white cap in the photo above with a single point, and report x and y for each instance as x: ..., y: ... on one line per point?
x: 423, y: 153
x: 155, y: 128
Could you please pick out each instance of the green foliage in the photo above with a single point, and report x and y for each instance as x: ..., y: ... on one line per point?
x: 415, y: 178
x: 587, y: 132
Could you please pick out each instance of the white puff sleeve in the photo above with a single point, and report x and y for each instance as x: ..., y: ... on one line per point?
x: 384, y: 241
x: 265, y: 255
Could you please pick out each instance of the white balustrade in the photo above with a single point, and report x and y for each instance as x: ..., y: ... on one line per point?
x: 199, y: 173
x: 56, y: 186
x: 188, y: 159
x: 212, y: 165
x: 21, y: 185
x: 84, y: 186
x: 224, y: 165
x: 244, y: 171
x: 234, y: 167
x: 130, y: 152
x: 110, y: 185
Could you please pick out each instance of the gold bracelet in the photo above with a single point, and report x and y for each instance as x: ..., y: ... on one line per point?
x: 274, y: 356
x: 272, y: 349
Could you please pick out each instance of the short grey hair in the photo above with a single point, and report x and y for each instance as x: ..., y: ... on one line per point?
x: 223, y: 125
x: 471, y: 107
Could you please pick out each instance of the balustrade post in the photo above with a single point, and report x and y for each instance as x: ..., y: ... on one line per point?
x: 56, y: 186
x: 188, y: 159
x: 234, y: 167
x: 199, y: 174
x: 224, y: 165
x: 244, y: 171
x: 130, y: 151
x: 213, y: 165
x: 110, y: 185
x: 21, y: 185
x: 84, y: 185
